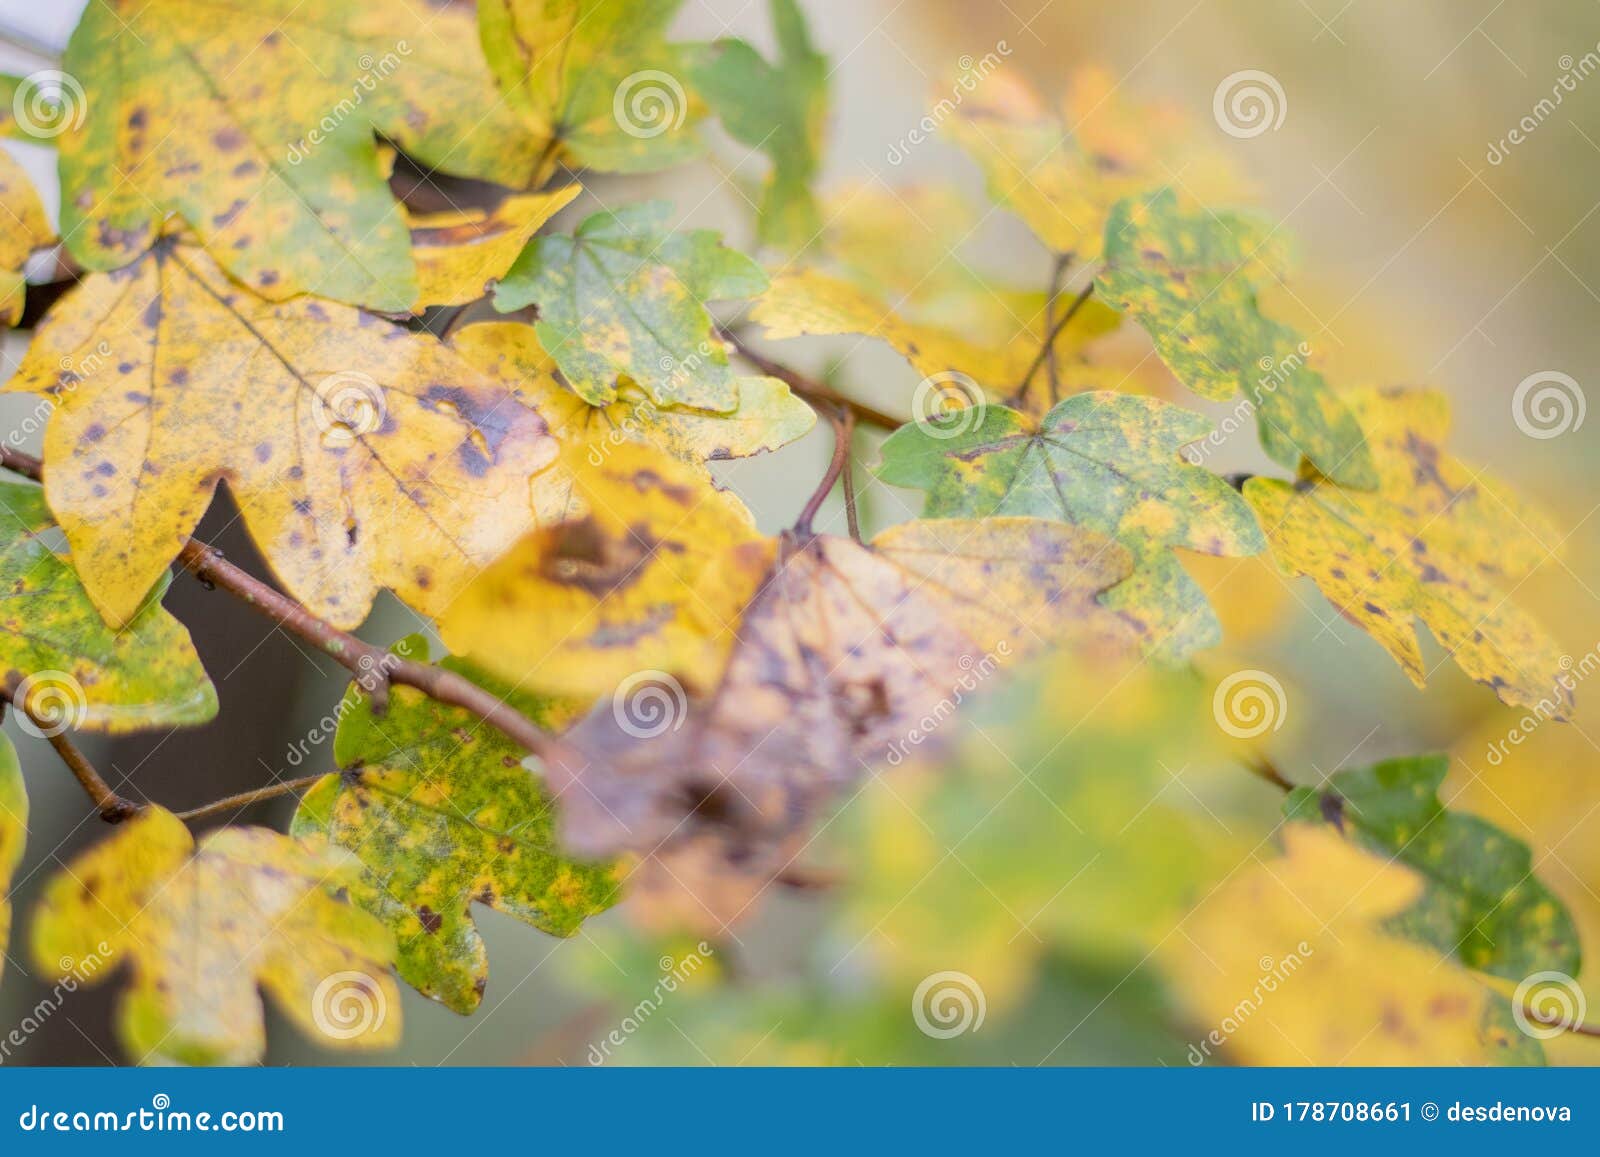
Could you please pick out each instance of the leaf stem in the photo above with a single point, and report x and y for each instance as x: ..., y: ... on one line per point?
x: 809, y: 388
x: 246, y: 798
x: 836, y: 469
x: 1264, y: 768
x: 1047, y: 351
x: 1057, y: 276
x: 374, y: 668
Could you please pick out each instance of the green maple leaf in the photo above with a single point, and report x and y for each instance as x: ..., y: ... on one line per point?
x: 68, y: 667
x: 442, y: 814
x: 623, y: 299
x: 1109, y: 462
x: 1191, y: 280
x: 1482, y: 903
x: 782, y: 110
x: 255, y: 120
x: 595, y: 81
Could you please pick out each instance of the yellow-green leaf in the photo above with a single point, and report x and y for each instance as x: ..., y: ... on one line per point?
x: 780, y: 109
x: 653, y: 576
x: 460, y: 254
x: 1437, y: 542
x: 13, y: 834
x: 361, y: 455
x: 255, y: 120
x: 23, y: 228
x: 768, y: 415
x: 623, y: 300
x: 60, y: 660
x: 1190, y: 277
x: 442, y: 813
x: 205, y: 929
x: 1106, y: 461
x: 594, y: 81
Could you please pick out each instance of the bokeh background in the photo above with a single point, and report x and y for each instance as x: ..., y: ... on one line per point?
x: 1422, y: 261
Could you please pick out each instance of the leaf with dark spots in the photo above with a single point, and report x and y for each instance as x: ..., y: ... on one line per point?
x: 255, y: 119
x: 442, y: 813
x: 24, y: 227
x: 365, y: 424
x: 1480, y: 541
x: 650, y: 573
x: 205, y: 929
x: 1109, y: 462
x: 834, y: 663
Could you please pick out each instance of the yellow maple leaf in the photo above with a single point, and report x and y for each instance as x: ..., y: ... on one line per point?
x: 459, y: 253
x: 361, y: 455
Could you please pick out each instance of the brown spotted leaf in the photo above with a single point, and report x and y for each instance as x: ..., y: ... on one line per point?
x: 442, y: 813
x: 206, y: 928
x: 23, y: 228
x: 839, y: 665
x: 1437, y: 542
x: 362, y: 456
x: 255, y: 120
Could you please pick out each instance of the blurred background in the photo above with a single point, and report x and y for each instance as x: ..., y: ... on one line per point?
x: 1430, y: 253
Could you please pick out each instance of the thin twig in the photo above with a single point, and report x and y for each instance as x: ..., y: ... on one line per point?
x: 1264, y: 768
x: 1046, y: 352
x: 1057, y: 277
x: 374, y: 668
x: 836, y: 468
x: 246, y: 798
x: 113, y: 807
x: 809, y: 388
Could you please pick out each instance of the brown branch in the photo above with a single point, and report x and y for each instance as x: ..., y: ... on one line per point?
x: 246, y: 798
x: 1047, y: 351
x: 809, y: 388
x: 374, y: 668
x: 1264, y: 768
x: 113, y: 807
